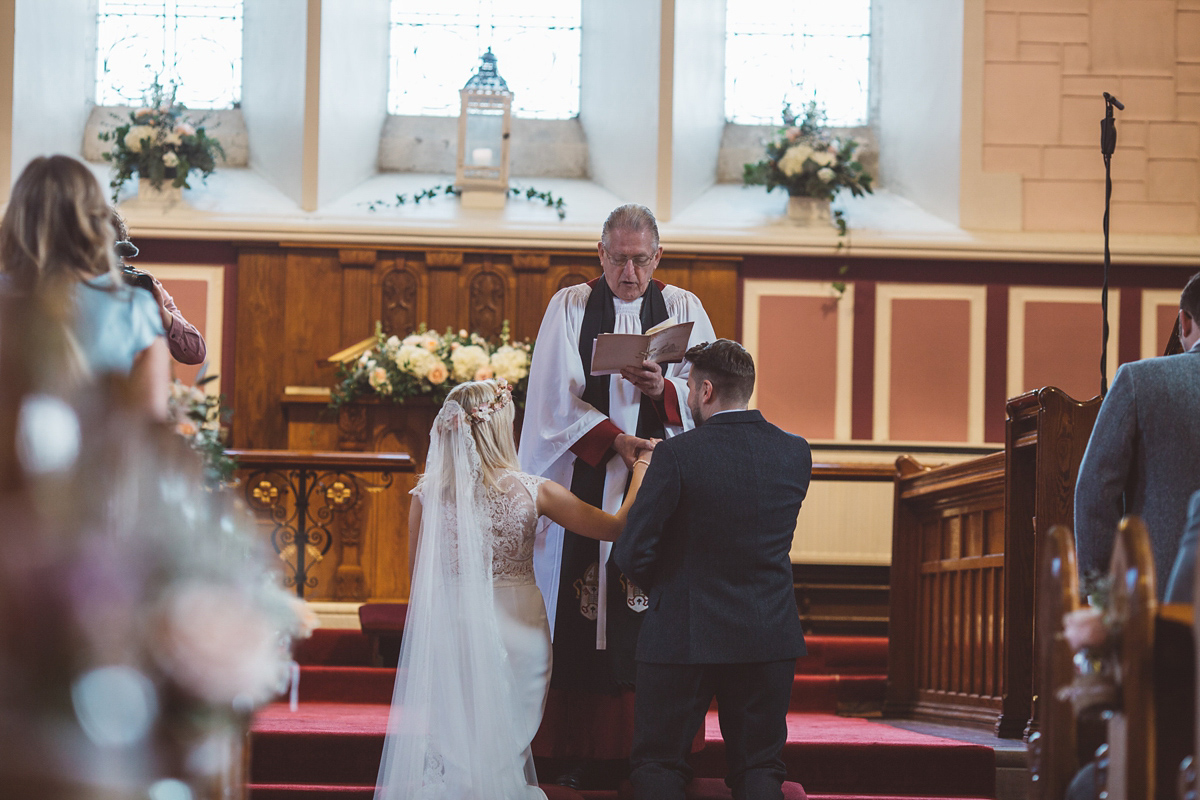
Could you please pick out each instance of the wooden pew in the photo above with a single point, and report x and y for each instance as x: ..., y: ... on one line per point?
x: 1153, y: 730
x: 1053, y: 760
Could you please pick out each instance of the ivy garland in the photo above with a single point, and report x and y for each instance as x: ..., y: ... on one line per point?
x: 441, y: 190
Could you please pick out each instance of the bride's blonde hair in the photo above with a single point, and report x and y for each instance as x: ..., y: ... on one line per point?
x: 494, y: 434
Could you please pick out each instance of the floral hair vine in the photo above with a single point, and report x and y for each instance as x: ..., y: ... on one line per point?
x: 483, y: 412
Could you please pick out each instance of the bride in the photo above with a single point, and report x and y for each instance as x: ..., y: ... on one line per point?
x: 475, y: 659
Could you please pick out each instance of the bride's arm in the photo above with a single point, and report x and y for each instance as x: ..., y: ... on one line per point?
x: 414, y: 533
x: 557, y: 503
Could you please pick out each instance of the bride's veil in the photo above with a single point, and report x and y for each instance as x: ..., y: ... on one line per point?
x: 450, y: 733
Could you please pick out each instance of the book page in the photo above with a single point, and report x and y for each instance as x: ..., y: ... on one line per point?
x: 611, y: 352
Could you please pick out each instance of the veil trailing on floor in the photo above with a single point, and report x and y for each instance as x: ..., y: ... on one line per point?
x: 450, y: 732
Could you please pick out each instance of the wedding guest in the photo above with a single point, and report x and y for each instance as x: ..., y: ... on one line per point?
x: 57, y: 247
x: 185, y: 343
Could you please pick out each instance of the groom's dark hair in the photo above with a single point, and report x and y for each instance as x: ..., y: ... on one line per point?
x: 727, y: 366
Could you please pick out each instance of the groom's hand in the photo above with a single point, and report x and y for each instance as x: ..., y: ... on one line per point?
x: 648, y: 378
x: 628, y: 447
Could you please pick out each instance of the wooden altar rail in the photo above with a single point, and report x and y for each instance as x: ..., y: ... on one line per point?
x: 965, y: 545
x: 312, y: 500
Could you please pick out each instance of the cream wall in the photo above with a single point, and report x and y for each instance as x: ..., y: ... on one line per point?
x: 1046, y: 63
x: 54, y: 69
x: 698, y: 104
x: 921, y: 101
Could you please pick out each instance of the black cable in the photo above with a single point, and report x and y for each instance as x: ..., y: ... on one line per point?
x: 1108, y: 143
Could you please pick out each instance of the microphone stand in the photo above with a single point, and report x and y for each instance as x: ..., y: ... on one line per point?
x: 1108, y: 143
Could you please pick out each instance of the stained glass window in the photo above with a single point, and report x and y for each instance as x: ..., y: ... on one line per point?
x: 795, y: 50
x: 197, y: 45
x: 435, y: 49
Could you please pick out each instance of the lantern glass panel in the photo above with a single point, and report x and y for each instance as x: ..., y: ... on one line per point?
x: 484, y: 146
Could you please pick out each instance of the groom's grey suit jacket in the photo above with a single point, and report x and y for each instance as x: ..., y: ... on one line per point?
x: 1143, y: 458
x: 708, y: 539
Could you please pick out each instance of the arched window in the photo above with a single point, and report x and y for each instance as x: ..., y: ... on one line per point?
x: 436, y: 47
x: 797, y: 50
x: 196, y: 45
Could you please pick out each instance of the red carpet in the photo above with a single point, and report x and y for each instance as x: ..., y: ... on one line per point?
x: 329, y: 749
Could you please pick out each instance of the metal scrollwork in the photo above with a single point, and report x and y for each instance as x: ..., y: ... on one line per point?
x: 304, y: 529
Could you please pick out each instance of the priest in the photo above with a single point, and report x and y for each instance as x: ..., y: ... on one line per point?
x: 584, y: 432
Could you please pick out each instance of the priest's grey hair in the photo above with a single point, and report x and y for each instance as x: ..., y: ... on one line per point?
x: 630, y: 217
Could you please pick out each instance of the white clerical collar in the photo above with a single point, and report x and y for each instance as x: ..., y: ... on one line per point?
x: 627, y: 306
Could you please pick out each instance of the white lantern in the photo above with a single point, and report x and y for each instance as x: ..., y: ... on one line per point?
x: 484, y: 126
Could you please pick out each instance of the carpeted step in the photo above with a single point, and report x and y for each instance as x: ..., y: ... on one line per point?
x: 291, y: 791
x: 844, y: 655
x: 320, y: 684
x: 326, y: 744
x: 334, y: 647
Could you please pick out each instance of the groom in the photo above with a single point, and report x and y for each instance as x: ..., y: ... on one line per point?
x: 708, y: 538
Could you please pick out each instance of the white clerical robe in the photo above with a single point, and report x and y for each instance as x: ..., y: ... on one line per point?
x: 556, y: 418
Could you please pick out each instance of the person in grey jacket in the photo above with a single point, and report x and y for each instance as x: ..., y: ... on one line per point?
x: 709, y: 538
x: 1143, y: 456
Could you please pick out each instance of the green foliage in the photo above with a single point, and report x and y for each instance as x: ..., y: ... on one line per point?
x: 441, y: 190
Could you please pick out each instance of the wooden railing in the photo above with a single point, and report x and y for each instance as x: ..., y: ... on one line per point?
x: 312, y: 500
x: 947, y: 626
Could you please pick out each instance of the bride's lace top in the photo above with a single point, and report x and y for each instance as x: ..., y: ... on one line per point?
x: 513, y: 511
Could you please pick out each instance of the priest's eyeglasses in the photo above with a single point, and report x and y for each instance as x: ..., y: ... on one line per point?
x: 619, y: 260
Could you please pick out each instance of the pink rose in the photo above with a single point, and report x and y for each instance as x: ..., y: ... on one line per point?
x: 484, y: 374
x: 1085, y: 627
x: 437, y: 374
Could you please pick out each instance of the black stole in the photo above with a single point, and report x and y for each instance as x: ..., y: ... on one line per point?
x: 578, y: 665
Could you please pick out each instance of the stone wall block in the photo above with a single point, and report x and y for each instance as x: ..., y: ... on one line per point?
x: 1173, y: 181
x: 1081, y: 120
x: 1073, y: 163
x: 1021, y: 103
x: 1187, y: 107
x: 1054, y: 28
x: 1146, y: 98
x: 1133, y: 36
x: 1063, y: 205
x: 1187, y: 35
x: 1000, y: 42
x: 1154, y: 218
x: 1173, y: 139
x: 1023, y: 160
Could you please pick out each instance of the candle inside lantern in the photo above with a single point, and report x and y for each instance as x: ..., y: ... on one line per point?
x: 481, y: 156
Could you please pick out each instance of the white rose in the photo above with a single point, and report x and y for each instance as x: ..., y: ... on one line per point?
x: 510, y: 363
x: 415, y: 360
x: 170, y: 159
x: 825, y: 174
x: 824, y: 158
x: 793, y: 160
x: 172, y: 138
x: 468, y: 360
x: 133, y: 139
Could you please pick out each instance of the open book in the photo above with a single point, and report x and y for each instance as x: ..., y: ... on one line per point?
x: 665, y: 343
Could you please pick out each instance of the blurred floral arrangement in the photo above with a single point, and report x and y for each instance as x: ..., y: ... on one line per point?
x: 1091, y: 632
x: 807, y: 160
x: 160, y: 143
x: 426, y: 363
x: 197, y: 417
x: 141, y: 619
x: 557, y: 204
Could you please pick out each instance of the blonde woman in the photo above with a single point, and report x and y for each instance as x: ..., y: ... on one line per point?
x: 56, y: 247
x: 475, y: 660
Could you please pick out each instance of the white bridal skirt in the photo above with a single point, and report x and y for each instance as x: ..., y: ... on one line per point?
x: 525, y: 632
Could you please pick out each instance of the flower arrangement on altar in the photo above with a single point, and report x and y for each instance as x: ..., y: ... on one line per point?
x: 160, y: 143
x: 431, y: 364
x: 807, y: 160
x: 197, y: 417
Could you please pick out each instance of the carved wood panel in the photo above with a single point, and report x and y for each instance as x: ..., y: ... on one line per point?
x: 402, y: 297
